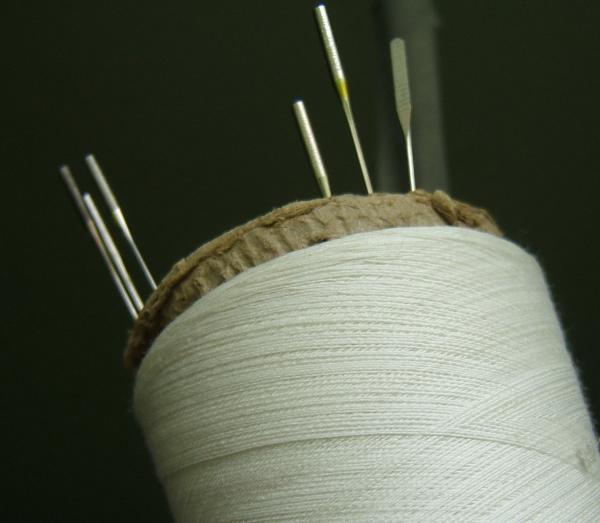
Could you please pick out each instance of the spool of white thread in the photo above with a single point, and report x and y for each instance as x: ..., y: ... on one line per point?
x: 410, y: 374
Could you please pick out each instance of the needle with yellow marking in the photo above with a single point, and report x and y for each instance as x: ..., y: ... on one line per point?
x: 89, y: 223
x: 341, y: 85
x: 403, y: 100
x: 112, y: 251
x: 117, y: 213
x: 312, y: 148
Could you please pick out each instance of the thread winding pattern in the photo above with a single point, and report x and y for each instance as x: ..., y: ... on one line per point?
x: 413, y: 374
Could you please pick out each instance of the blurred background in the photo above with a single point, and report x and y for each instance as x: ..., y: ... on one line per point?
x: 187, y: 107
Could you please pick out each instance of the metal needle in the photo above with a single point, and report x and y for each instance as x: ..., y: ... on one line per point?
x: 87, y: 219
x: 112, y: 250
x: 117, y: 213
x: 312, y: 148
x: 403, y: 100
x: 341, y: 85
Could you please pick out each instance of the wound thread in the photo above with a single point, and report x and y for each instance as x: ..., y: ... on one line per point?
x: 408, y: 374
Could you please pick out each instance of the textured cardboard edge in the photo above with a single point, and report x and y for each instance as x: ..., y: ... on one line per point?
x: 290, y: 228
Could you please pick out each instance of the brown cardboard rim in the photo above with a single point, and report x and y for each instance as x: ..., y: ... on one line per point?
x: 289, y: 228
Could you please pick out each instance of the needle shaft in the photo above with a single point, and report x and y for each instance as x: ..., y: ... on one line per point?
x: 112, y: 250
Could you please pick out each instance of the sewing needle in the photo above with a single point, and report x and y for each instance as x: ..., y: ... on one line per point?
x: 312, y: 149
x: 117, y: 213
x: 341, y: 85
x: 403, y: 100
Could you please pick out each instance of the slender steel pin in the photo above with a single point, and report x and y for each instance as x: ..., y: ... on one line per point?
x: 112, y: 250
x: 341, y: 85
x: 115, y: 210
x: 89, y: 223
x: 312, y: 149
x: 403, y: 100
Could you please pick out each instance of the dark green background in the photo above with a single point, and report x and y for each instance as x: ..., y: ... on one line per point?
x: 187, y: 108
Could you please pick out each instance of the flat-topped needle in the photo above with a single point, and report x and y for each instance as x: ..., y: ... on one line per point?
x: 312, y: 149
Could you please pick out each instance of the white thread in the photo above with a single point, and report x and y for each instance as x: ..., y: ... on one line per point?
x: 411, y: 374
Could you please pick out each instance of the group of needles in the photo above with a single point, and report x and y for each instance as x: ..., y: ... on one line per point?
x: 403, y: 106
x: 102, y: 237
x: 99, y: 232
